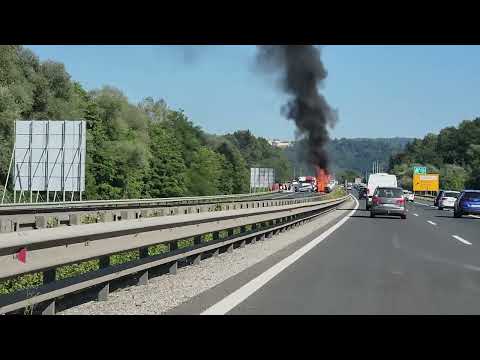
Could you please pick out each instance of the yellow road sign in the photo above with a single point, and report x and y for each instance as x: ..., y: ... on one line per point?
x: 428, y: 182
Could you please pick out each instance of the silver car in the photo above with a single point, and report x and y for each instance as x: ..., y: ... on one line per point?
x: 388, y: 201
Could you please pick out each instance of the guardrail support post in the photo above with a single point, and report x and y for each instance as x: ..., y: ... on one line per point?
x: 107, y: 216
x: 197, y: 241
x: 6, y: 226
x: 40, y: 222
x: 104, y: 288
x: 230, y: 248
x: 127, y: 215
x: 74, y: 219
x: 103, y: 292
x: 197, y: 259
x: 216, y: 236
x: 173, y: 246
x: 173, y: 268
x: 143, y: 278
x: 49, y: 277
x: 145, y: 213
x: 243, y: 243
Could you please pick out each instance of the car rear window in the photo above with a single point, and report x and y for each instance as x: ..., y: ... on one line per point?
x: 471, y: 195
x: 451, y: 194
x: 390, y: 193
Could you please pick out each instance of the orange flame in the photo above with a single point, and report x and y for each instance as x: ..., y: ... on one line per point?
x: 323, y: 177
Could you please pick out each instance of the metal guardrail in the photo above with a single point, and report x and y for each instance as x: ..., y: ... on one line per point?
x: 48, y: 249
x: 16, y: 217
x: 124, y: 203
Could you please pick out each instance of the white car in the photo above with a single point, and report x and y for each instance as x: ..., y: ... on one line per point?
x: 408, y: 195
x: 447, y: 200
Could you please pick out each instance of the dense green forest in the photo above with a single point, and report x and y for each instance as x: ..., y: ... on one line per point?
x: 355, y: 155
x: 454, y: 154
x: 133, y: 150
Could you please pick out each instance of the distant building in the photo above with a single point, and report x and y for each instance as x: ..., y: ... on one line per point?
x: 282, y: 144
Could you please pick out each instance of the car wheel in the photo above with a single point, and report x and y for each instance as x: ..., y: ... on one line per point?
x: 440, y: 208
x: 372, y: 214
x: 403, y: 216
x: 457, y: 214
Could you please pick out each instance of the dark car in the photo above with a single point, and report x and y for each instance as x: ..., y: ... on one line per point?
x: 388, y: 201
x: 362, y: 192
x: 468, y: 203
x: 439, y: 196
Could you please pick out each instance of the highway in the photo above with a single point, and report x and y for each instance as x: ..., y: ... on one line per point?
x: 426, y: 264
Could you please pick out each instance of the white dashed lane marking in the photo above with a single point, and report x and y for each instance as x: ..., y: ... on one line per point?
x: 461, y: 240
x: 415, y: 214
x: 432, y: 223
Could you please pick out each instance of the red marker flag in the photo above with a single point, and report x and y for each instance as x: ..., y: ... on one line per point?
x: 22, y: 255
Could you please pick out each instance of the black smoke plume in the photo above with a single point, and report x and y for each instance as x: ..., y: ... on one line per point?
x: 301, y: 72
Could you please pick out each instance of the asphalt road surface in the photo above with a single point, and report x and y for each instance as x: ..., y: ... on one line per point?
x: 426, y: 264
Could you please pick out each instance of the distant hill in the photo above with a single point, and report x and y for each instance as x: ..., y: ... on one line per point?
x: 353, y: 154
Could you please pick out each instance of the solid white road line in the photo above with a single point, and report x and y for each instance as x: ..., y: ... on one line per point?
x: 461, y: 240
x: 475, y: 216
x: 415, y: 214
x: 240, y: 295
x: 432, y: 223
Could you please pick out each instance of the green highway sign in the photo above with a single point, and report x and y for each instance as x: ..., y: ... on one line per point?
x: 419, y: 170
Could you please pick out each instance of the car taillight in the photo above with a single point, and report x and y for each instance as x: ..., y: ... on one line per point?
x: 401, y: 202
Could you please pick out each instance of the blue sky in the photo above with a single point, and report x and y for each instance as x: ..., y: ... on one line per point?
x: 379, y: 91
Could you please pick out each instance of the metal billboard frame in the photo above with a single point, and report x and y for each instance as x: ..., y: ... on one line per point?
x: 37, y: 152
x: 261, y: 178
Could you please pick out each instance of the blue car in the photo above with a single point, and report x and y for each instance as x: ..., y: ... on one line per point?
x: 468, y: 202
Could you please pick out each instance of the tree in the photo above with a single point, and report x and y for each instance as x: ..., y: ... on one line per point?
x: 454, y: 153
x: 167, y: 173
x: 235, y: 169
x: 157, y: 111
x: 453, y: 177
x: 205, y: 173
x: 133, y: 150
x: 118, y: 150
x: 257, y: 152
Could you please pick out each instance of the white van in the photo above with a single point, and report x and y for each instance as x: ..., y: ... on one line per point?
x: 376, y: 180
